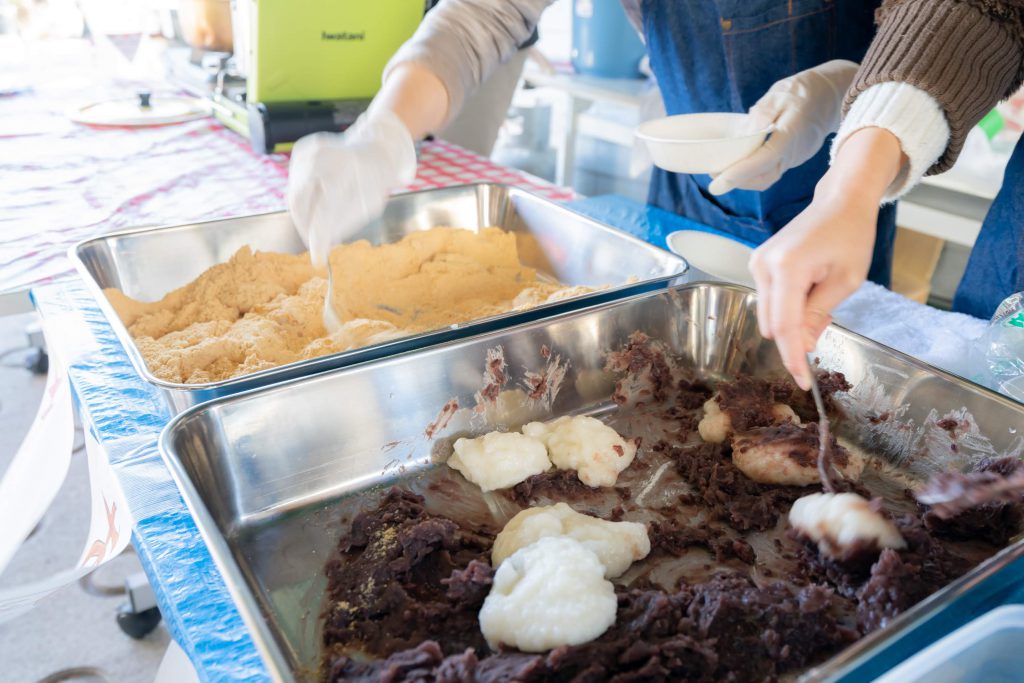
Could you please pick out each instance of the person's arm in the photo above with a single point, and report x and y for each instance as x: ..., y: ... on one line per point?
x: 458, y: 45
x: 339, y: 182
x: 808, y: 268
x: 955, y: 56
x: 417, y: 96
x: 914, y: 117
x: 966, y: 54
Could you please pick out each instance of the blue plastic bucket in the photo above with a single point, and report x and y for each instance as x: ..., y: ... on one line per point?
x: 604, y: 43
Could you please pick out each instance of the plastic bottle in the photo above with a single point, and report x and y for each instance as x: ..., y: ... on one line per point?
x: 997, y: 357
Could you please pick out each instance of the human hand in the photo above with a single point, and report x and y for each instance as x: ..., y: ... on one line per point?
x: 803, y: 110
x: 807, y: 269
x: 810, y: 266
x: 339, y: 182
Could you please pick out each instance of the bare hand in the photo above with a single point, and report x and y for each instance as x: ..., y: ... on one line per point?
x: 823, y: 255
x: 807, y: 269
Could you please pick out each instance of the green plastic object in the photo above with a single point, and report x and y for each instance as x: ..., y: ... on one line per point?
x: 992, y: 123
x: 315, y: 50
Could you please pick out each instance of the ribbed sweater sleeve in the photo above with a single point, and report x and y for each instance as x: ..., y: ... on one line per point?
x: 967, y: 54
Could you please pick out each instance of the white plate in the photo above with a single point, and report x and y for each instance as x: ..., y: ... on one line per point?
x: 163, y: 110
x: 716, y: 255
x: 701, y: 143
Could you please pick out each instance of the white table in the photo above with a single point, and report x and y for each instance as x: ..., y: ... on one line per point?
x: 571, y: 95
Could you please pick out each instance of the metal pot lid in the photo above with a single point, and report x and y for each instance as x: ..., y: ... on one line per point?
x: 142, y: 110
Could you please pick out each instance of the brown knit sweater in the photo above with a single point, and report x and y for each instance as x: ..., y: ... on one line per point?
x: 967, y: 54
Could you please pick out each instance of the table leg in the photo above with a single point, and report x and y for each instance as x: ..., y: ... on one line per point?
x: 565, y: 125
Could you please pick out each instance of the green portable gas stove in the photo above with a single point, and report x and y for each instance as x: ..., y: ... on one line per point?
x: 302, y: 66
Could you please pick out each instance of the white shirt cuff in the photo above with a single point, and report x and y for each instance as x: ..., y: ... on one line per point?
x: 913, y: 116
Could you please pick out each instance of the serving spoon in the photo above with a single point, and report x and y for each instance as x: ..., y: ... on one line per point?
x: 332, y: 321
x: 825, y: 467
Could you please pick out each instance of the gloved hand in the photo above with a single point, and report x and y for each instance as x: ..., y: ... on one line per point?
x: 338, y: 182
x: 804, y: 109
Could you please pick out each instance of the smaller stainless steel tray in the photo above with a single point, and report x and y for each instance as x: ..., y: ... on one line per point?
x: 265, y: 473
x: 147, y: 263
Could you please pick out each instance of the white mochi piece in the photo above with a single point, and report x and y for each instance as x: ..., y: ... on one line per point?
x: 616, y: 544
x: 838, y: 522
x: 548, y: 594
x: 587, y: 445
x: 499, y: 460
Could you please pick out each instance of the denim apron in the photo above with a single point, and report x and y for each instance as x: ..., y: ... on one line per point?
x: 996, y: 267
x: 723, y: 55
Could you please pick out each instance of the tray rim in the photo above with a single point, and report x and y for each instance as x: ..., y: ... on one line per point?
x: 840, y: 664
x: 421, y: 340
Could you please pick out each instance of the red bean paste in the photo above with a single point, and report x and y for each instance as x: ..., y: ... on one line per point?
x: 751, y: 602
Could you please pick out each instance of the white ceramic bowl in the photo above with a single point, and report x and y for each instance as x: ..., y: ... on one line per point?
x: 700, y: 143
x: 716, y: 255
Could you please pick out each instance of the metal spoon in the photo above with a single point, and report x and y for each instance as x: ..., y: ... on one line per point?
x: 825, y: 467
x: 332, y: 321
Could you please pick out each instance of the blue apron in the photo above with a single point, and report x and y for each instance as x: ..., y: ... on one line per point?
x: 996, y: 267
x: 723, y: 55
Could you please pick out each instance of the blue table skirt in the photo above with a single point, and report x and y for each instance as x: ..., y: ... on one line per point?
x: 127, y: 417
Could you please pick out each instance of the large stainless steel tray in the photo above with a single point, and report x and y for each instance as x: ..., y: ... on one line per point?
x: 265, y: 472
x: 559, y: 243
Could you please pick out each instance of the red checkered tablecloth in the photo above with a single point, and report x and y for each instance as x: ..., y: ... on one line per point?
x: 442, y: 164
x: 61, y: 182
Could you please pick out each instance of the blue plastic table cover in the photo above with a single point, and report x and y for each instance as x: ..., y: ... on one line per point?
x: 128, y: 416
x: 644, y: 221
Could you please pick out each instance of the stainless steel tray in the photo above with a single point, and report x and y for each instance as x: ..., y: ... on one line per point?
x: 576, y: 250
x: 265, y: 473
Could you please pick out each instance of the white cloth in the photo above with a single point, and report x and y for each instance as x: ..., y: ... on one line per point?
x: 909, y: 113
x: 937, y: 337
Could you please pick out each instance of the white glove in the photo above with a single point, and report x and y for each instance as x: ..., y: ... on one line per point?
x: 339, y: 182
x: 804, y: 109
